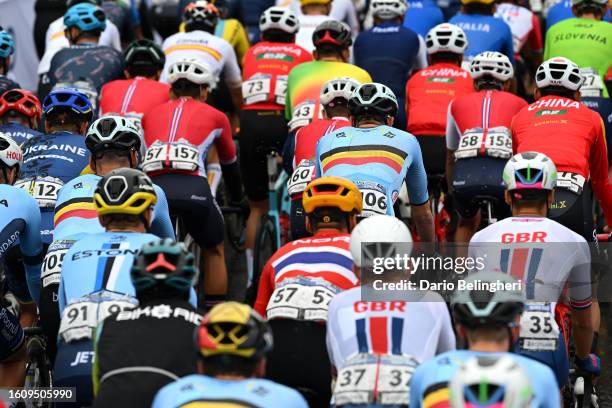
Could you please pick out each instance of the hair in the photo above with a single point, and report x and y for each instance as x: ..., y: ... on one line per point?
x: 589, y: 7
x: 445, y: 56
x: 142, y: 66
x: 122, y: 221
x: 227, y: 364
x: 495, y: 333
x: 64, y: 118
x: 329, y: 217
x: 113, y: 155
x: 378, y: 117
x: 16, y: 113
x: 329, y: 50
x: 529, y: 197
x: 479, y: 8
x: 161, y: 292
x: 184, y: 87
x: 278, y: 36
x: 199, y: 25
x: 486, y: 83
x: 558, y: 91
x: 337, y: 107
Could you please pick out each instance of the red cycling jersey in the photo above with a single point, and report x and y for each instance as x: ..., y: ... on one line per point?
x: 191, y: 121
x: 137, y: 96
x: 266, y: 66
x: 428, y: 93
x: 306, y: 138
x: 326, y: 256
x: 572, y: 135
x: 482, y: 109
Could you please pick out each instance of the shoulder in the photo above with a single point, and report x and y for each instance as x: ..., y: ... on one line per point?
x: 345, y: 297
x: 538, y: 372
x: 280, y: 394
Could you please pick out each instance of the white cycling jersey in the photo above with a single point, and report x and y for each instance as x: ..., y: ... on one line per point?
x: 214, y: 51
x: 308, y: 24
x: 413, y: 327
x: 341, y: 10
x: 521, y: 20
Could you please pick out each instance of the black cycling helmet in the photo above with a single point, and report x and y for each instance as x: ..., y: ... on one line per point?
x: 201, y: 13
x: 332, y: 32
x: 373, y: 98
x: 70, y: 3
x: 124, y: 191
x: 144, y: 53
x: 112, y: 132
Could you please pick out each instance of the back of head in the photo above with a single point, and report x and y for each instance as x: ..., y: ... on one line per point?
x: 188, y: 76
x: 315, y: 7
x: 388, y: 9
x: 446, y: 42
x: 596, y: 7
x: 279, y: 24
x: 484, y: 7
x: 380, y: 230
x: 11, y: 155
x: 372, y: 101
x: 88, y: 18
x: 558, y: 76
x: 332, y: 37
x: 530, y: 177
x: 330, y: 202
x: 144, y: 58
x: 491, y: 70
x: 21, y: 101
x: 200, y: 15
x: 66, y: 106
x: 335, y: 95
x: 7, y: 44
x: 112, y: 132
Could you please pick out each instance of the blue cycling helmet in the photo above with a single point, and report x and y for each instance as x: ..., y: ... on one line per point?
x: 68, y: 99
x: 7, y: 45
x: 85, y: 17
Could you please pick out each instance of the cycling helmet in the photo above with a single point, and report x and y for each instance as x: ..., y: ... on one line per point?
x: 309, y: 2
x: 379, y: 228
x: 10, y: 152
x: 232, y: 328
x: 279, y: 18
x: 112, y: 132
x: 164, y: 263
x: 492, y: 63
x: 144, y: 52
x: 85, y: 17
x: 373, y: 98
x: 7, y: 45
x: 490, y: 381
x: 388, y: 9
x: 124, y: 191
x: 477, y: 1
x: 599, y: 3
x: 332, y: 192
x: 530, y: 170
x: 332, y: 32
x: 559, y: 72
x: 193, y: 70
x: 68, y: 99
x: 446, y: 38
x: 70, y: 3
x: 201, y: 12
x: 22, y: 101
x: 473, y: 308
x: 342, y: 87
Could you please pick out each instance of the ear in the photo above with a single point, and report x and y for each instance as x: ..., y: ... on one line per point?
x: 346, y: 54
x: 148, y: 214
x: 101, y: 220
x: 308, y: 224
x: 390, y: 120
x: 508, y: 198
x: 92, y: 164
x: 126, y: 73
x: 577, y: 96
x: 551, y: 198
x: 83, y: 128
x: 133, y: 159
x: 260, y: 368
x: 352, y: 222
x: 537, y: 94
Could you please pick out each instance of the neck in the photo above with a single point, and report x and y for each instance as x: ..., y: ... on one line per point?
x: 139, y: 228
x: 230, y: 377
x: 330, y: 58
x: 589, y: 16
x: 369, y: 125
x: 490, y: 346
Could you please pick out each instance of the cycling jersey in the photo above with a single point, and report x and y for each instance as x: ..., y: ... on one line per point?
x: 308, y: 23
x: 482, y: 109
x: 572, y: 136
x: 306, y: 138
x: 422, y: 16
x: 200, y: 390
x: 314, y: 268
x: 429, y: 386
x: 378, y: 160
x: 232, y: 31
x: 6, y: 84
x: 76, y: 215
x: 563, y: 11
x: 132, y: 97
x: 266, y: 67
x: 250, y: 11
x: 305, y: 82
x: 214, y: 51
x: 584, y: 41
x: 484, y: 33
x: 188, y: 121
x: 19, y: 133
x: 428, y: 94
x: 524, y: 24
x: 341, y: 10
x: 603, y: 106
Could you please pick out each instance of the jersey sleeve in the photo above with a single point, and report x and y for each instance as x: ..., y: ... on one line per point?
x: 115, y: 38
x: 421, y: 58
x: 416, y: 385
x: 265, y: 289
x: 224, y: 141
x: 599, y: 169
x: 233, y: 77
x: 161, y: 224
x: 535, y: 35
x: 452, y: 130
x: 242, y: 42
x: 31, y: 247
x: 416, y: 177
x: 580, y: 276
x: 447, y: 340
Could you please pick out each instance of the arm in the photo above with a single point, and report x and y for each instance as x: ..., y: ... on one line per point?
x: 421, y: 59
x: 580, y: 299
x: 599, y: 170
x: 161, y: 224
x: 265, y: 289
x: 416, y: 184
x: 32, y: 248
x: 233, y: 78
x: 229, y: 165
x: 450, y: 165
x: 289, y: 152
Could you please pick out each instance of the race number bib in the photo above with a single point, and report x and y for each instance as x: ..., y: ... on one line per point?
x: 82, y: 316
x: 177, y: 156
x: 301, y: 299
x: 52, y: 265
x: 570, y: 181
x: 374, y: 198
x: 43, y: 189
x: 303, y: 114
x: 592, y: 86
x: 494, y: 142
x: 280, y: 89
x: 371, y: 379
x: 256, y: 89
x: 136, y: 119
x: 539, y: 330
x: 303, y: 174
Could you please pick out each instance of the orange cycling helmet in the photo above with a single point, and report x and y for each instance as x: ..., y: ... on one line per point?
x: 22, y: 101
x: 332, y: 192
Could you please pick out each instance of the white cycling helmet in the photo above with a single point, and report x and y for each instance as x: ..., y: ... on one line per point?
x: 446, y: 38
x: 530, y: 170
x: 559, y: 72
x: 10, y: 152
x: 491, y: 381
x: 112, y: 131
x: 491, y: 63
x: 388, y: 9
x: 382, y: 229
x: 373, y: 98
x: 279, y: 18
x: 193, y: 70
x: 342, y: 87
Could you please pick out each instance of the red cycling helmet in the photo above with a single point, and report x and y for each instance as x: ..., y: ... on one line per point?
x: 22, y: 101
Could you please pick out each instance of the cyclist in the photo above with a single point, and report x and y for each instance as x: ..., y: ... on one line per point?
x: 378, y: 162
x: 488, y: 323
x: 584, y: 39
x: 300, y: 279
x: 563, y: 11
x: 332, y: 40
x: 591, y: 94
x: 377, y: 336
x: 178, y: 135
x: 430, y: 91
x: 484, y: 32
x: 422, y: 16
x: 163, y: 274
x: 20, y: 112
x: 19, y: 229
x: 232, y: 342
x: 7, y: 49
x: 526, y: 30
x: 489, y: 109
x: 341, y: 10
x: 313, y: 13
x: 250, y: 13
x: 558, y: 258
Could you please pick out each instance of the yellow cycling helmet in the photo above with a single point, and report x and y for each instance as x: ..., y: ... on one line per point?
x: 233, y: 328
x: 124, y: 191
x: 309, y: 2
x: 477, y: 1
x: 332, y: 192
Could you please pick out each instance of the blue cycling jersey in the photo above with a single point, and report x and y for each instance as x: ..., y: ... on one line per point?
x: 75, y: 214
x: 18, y: 132
x: 485, y: 33
x: 429, y: 383
x: 378, y: 159
x: 199, y: 390
x: 422, y: 16
x: 563, y: 11
x: 603, y: 106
